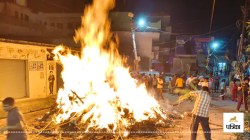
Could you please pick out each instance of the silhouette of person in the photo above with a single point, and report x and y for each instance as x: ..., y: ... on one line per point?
x: 51, y: 82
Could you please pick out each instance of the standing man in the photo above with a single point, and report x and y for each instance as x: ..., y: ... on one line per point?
x: 179, y: 83
x: 216, y: 82
x: 159, y: 87
x: 188, y: 81
x: 51, y: 82
x: 154, y: 83
x: 15, y: 121
x: 200, y: 112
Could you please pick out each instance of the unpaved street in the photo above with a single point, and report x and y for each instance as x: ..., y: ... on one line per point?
x: 179, y: 132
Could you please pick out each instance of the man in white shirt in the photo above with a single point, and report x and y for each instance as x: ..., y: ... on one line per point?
x: 189, y: 80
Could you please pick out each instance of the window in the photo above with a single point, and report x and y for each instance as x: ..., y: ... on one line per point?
x: 26, y: 17
x: 59, y: 25
x: 70, y: 26
x: 16, y: 14
x: 52, y: 24
x: 22, y: 17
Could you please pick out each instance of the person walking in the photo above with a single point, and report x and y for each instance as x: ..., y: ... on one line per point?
x: 216, y: 82
x: 154, y: 83
x: 150, y: 82
x: 188, y: 81
x: 173, y: 83
x: 179, y: 83
x: 15, y: 121
x: 223, y: 89
x: 200, y: 112
x: 234, y: 88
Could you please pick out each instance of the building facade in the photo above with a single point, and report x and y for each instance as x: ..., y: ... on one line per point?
x: 25, y: 69
x: 20, y: 22
x: 191, y: 54
x: 151, y: 42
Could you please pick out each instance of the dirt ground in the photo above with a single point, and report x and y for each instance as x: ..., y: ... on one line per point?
x: 179, y: 132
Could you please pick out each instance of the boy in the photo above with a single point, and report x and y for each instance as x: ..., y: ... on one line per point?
x: 15, y: 122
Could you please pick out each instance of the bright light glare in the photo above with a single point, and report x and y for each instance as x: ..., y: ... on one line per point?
x: 141, y: 22
x: 215, y: 45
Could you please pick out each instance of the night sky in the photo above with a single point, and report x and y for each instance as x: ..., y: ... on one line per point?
x: 187, y: 16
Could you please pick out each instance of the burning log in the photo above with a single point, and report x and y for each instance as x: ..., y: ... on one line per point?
x: 72, y: 128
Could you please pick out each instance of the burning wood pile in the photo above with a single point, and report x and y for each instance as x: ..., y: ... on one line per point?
x: 99, y: 97
x: 73, y: 128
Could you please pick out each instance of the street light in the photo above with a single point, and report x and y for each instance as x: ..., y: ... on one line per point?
x: 141, y: 22
x: 215, y: 45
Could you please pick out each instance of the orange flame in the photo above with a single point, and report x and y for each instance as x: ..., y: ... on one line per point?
x: 98, y: 89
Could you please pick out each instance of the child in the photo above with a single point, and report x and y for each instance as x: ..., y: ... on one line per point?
x: 15, y: 122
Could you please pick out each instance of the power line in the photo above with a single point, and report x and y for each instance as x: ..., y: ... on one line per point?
x: 197, y: 35
x: 212, y: 16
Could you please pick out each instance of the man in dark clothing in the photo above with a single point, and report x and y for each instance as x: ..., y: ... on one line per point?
x: 15, y: 122
x: 216, y: 83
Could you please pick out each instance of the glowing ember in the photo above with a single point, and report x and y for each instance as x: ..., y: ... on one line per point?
x: 98, y: 89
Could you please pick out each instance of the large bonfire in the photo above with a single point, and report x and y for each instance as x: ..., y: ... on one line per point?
x: 98, y: 89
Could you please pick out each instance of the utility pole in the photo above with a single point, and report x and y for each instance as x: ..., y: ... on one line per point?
x: 212, y: 16
x: 208, y: 49
x: 245, y: 15
x: 137, y: 58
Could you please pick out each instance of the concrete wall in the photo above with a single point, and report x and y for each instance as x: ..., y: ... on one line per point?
x: 183, y: 64
x: 143, y: 43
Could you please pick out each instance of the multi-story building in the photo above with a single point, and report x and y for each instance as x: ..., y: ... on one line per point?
x: 191, y: 53
x: 151, y: 41
x: 20, y: 22
x: 28, y: 64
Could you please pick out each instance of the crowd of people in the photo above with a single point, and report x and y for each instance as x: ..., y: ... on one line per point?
x: 217, y: 86
x: 203, y: 89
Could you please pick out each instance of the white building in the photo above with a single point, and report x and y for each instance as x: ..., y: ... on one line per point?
x: 150, y: 42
